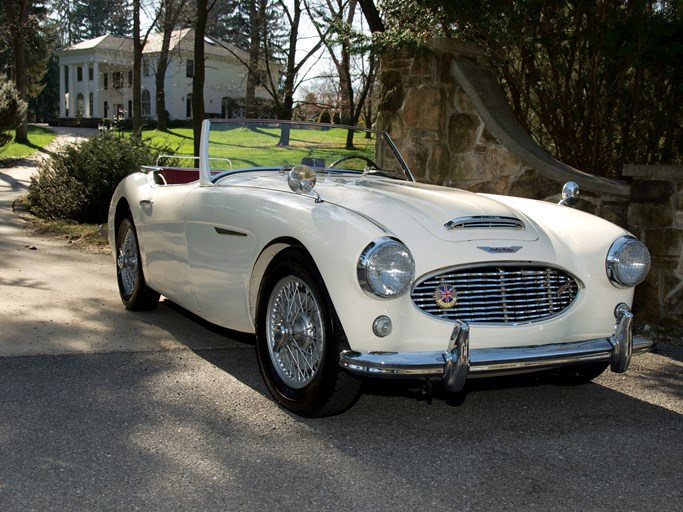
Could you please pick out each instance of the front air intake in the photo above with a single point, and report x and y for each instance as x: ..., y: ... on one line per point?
x: 496, y: 294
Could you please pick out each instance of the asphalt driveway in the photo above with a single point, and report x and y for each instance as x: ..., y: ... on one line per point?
x: 104, y: 409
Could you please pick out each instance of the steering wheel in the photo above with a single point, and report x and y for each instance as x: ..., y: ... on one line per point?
x: 367, y: 160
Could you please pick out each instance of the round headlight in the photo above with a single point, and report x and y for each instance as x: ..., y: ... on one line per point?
x: 628, y: 262
x: 386, y: 268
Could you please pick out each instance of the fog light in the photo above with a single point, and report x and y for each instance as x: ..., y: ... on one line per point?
x: 382, y: 326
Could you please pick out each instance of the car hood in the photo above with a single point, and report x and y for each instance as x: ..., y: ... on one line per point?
x: 394, y: 203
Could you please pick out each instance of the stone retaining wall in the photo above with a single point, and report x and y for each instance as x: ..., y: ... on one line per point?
x: 449, y: 117
x: 655, y: 215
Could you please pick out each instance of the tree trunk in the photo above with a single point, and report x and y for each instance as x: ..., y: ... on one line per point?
x: 199, y: 72
x: 257, y: 13
x: 137, y: 78
x: 17, y: 22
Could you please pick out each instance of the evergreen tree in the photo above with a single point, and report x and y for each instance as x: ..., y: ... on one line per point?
x: 94, y: 18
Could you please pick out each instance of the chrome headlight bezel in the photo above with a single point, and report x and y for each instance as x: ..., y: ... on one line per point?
x: 386, y: 268
x: 627, y: 262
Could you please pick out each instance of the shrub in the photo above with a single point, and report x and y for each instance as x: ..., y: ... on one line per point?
x: 12, y: 110
x: 78, y: 181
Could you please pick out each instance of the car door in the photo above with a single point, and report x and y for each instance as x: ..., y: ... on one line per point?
x: 222, y: 248
x: 162, y: 241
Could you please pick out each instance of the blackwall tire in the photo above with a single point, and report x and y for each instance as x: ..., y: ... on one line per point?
x: 299, y: 338
x: 133, y: 290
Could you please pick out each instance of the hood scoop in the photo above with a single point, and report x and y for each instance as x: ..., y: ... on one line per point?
x: 485, y: 222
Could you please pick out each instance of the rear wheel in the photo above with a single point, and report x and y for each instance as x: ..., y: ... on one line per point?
x: 134, y: 292
x: 299, y: 339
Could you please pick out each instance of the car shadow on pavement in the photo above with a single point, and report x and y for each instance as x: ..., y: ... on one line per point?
x: 242, y: 365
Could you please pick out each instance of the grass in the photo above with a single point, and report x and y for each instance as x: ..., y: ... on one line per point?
x: 244, y: 147
x: 38, y: 137
x: 258, y: 147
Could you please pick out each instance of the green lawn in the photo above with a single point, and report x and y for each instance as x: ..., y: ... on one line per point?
x: 179, y: 140
x: 38, y: 137
x: 259, y: 146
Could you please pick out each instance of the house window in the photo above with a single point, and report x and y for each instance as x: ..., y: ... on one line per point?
x: 79, y: 105
x: 90, y: 105
x: 188, y: 106
x: 189, y: 68
x: 90, y: 74
x: 146, y: 69
x: 106, y: 109
x: 130, y: 78
x: 105, y: 82
x: 146, y: 103
x: 117, y: 79
x: 130, y: 108
x: 79, y: 73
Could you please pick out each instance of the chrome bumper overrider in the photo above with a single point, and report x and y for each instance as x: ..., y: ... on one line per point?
x: 459, y: 362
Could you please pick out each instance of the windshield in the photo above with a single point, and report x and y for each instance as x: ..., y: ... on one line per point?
x: 243, y: 145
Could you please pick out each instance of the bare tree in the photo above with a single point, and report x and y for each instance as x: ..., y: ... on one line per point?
x: 169, y: 13
x: 17, y: 13
x: 354, y: 62
x: 274, y: 63
x: 138, y: 46
x: 202, y: 14
x: 257, y: 14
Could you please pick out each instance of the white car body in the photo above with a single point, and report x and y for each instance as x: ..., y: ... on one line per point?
x: 207, y: 244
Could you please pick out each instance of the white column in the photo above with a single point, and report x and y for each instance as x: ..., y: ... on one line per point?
x: 86, y: 96
x: 72, y: 96
x: 96, y: 90
x: 62, y: 91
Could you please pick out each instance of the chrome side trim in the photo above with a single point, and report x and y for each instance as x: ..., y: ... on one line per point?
x: 224, y: 231
x: 461, y: 360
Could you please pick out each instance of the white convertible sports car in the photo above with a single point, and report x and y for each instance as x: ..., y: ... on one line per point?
x: 318, y: 239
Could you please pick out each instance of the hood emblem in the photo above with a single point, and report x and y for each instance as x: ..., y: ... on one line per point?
x: 501, y: 250
x: 445, y: 296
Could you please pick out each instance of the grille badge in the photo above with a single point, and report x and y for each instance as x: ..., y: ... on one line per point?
x: 445, y: 296
x: 500, y: 250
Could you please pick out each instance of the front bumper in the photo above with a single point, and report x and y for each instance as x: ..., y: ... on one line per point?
x: 459, y: 362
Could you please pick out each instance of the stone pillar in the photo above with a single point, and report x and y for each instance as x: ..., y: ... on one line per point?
x: 450, y: 118
x: 62, y: 91
x: 655, y: 215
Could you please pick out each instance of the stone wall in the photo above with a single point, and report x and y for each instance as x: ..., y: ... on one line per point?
x: 449, y: 117
x: 655, y: 215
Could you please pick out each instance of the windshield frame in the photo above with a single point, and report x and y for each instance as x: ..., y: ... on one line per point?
x: 209, y: 176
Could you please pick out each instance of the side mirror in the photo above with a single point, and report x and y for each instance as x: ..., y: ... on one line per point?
x: 570, y: 194
x: 301, y: 179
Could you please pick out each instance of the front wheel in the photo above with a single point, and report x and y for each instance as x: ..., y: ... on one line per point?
x: 134, y: 292
x: 299, y: 339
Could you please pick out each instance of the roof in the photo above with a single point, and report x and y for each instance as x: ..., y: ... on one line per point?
x: 106, y: 42
x: 181, y: 40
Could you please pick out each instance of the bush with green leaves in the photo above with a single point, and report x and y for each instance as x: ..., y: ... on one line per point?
x: 78, y: 181
x: 12, y: 110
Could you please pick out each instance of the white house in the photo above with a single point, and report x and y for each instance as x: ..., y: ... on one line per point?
x: 96, y: 78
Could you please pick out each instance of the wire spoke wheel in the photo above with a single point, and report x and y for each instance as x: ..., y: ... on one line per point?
x: 133, y: 289
x: 127, y: 262
x: 295, y: 332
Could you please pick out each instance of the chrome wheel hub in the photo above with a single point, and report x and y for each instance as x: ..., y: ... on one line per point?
x: 295, y: 332
x: 127, y: 263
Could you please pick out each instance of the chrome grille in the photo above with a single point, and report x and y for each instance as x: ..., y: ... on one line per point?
x: 485, y: 222
x: 497, y: 294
